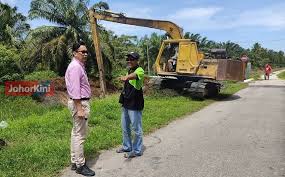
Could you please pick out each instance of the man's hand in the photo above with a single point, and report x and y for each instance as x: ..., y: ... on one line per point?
x: 123, y: 78
x: 128, y: 77
x: 80, y: 111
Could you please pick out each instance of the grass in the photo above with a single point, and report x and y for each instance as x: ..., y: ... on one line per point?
x: 281, y: 75
x: 38, y: 141
x: 229, y: 88
x: 256, y: 74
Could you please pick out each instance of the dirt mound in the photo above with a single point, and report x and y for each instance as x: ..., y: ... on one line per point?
x: 61, y: 96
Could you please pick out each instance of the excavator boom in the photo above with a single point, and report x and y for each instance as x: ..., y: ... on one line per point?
x: 174, y: 31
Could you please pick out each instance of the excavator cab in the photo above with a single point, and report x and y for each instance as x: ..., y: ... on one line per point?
x: 219, y: 54
x: 176, y: 57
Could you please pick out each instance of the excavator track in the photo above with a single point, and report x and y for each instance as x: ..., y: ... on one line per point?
x: 196, y: 88
x: 203, y: 89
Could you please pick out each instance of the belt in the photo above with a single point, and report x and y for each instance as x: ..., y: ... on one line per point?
x: 81, y: 99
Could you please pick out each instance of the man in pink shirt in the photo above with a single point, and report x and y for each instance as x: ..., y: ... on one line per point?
x: 79, y: 92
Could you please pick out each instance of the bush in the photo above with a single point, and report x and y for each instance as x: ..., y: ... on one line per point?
x: 281, y: 75
x: 41, y: 75
x: 9, y: 68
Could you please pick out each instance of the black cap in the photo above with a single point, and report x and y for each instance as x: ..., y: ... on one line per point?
x: 133, y: 55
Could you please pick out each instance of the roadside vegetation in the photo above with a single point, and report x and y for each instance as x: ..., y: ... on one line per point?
x: 281, y: 75
x: 256, y: 74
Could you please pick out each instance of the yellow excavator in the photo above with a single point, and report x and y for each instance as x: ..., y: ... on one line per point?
x: 179, y: 62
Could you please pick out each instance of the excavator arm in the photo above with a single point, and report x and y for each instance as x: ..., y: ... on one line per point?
x: 171, y: 28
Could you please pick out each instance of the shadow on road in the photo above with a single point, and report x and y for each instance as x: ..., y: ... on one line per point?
x: 226, y: 97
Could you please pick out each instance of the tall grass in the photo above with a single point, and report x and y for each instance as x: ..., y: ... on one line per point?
x: 281, y: 75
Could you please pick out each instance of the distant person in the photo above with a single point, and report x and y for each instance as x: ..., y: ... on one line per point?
x: 267, y: 71
x: 172, y: 64
x: 173, y: 61
x: 132, y: 102
x: 79, y: 92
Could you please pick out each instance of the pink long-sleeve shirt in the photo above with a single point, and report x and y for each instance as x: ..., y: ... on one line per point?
x: 77, y: 81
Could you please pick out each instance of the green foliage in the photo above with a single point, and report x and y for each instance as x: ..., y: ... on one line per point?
x: 256, y: 73
x: 50, y: 47
x: 259, y: 56
x: 149, y: 48
x: 9, y: 68
x: 231, y: 87
x: 281, y: 75
x: 41, y: 75
x: 12, y: 108
x: 13, y: 26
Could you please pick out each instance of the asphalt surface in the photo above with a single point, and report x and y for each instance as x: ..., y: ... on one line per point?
x: 243, y: 136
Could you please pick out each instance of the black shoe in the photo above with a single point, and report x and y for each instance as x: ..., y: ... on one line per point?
x: 73, y: 166
x: 85, y: 171
x: 132, y: 155
x: 121, y: 150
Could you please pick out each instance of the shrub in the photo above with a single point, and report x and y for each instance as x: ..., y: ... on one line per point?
x: 9, y: 68
x: 41, y: 75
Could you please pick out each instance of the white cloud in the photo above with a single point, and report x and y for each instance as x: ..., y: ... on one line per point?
x: 196, y: 13
x: 132, y: 9
x: 271, y: 17
x: 218, y: 18
x: 196, y: 19
x: 10, y: 2
x: 139, y: 12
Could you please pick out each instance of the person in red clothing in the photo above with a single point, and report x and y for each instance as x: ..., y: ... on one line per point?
x: 267, y: 71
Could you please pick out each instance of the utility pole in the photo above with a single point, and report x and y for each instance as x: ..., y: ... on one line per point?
x: 96, y: 41
x: 147, y: 55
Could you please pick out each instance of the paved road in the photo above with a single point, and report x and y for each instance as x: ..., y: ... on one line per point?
x: 241, y: 137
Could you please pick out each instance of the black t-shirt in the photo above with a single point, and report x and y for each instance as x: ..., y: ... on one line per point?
x: 132, y: 98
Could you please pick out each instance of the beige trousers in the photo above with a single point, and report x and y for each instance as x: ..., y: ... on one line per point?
x: 79, y: 132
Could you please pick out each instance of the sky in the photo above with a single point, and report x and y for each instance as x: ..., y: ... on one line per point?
x: 244, y: 22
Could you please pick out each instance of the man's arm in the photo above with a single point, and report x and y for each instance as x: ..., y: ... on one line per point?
x: 129, y: 77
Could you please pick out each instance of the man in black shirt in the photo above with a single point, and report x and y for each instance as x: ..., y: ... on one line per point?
x: 132, y: 102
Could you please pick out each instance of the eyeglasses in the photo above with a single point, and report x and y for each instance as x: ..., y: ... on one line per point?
x: 83, y: 52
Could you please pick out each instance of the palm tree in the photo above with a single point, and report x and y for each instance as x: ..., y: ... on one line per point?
x: 13, y: 26
x: 101, y: 5
x: 202, y: 42
x: 149, y: 50
x: 234, y: 50
x: 51, y: 45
